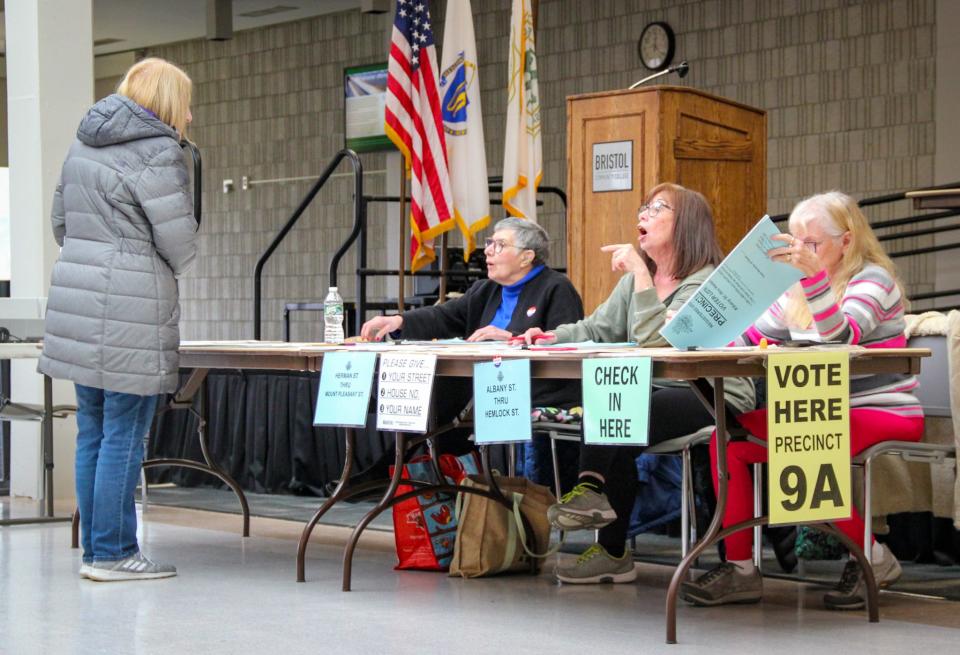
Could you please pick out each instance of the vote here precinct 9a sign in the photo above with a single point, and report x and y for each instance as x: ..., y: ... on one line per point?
x: 808, y: 423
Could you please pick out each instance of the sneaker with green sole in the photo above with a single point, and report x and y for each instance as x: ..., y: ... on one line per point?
x: 135, y: 567
x: 582, y: 508
x: 723, y: 585
x: 596, y: 565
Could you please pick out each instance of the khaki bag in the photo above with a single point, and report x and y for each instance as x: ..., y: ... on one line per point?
x: 490, y: 538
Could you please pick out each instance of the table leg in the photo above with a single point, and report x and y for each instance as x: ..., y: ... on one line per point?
x: 714, y: 532
x: 337, y: 494
x: 400, y: 455
x: 873, y: 595
x: 47, y: 437
x: 709, y: 537
x: 215, y: 468
x: 208, y: 465
x: 75, y: 529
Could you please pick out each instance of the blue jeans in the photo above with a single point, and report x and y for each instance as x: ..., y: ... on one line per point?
x: 110, y: 431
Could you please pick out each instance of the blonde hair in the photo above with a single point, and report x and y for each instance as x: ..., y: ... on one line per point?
x: 838, y: 214
x: 161, y: 87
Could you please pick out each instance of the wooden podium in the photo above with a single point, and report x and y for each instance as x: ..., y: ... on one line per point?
x: 620, y: 144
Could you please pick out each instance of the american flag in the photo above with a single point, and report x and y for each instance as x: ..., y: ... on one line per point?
x: 414, y: 124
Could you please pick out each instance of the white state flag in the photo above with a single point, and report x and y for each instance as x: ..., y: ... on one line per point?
x: 463, y: 123
x: 523, y: 151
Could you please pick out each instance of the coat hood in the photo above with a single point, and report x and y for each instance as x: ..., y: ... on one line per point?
x: 118, y: 119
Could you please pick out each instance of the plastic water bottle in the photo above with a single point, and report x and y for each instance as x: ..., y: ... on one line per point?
x: 333, y: 317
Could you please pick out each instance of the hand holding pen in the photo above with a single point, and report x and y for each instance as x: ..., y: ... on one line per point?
x: 533, y: 337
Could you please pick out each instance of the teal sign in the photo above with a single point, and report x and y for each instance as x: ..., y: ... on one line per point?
x: 616, y: 401
x: 345, y: 381
x: 501, y: 393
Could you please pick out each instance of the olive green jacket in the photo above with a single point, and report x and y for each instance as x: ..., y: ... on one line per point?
x: 630, y: 316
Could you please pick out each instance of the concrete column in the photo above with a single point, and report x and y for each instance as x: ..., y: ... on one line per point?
x: 49, y: 49
x: 946, y: 167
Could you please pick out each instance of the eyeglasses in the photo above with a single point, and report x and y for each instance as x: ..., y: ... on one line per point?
x: 497, y: 245
x: 653, y: 208
x: 812, y: 245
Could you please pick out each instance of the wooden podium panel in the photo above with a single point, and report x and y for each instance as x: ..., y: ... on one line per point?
x: 672, y: 134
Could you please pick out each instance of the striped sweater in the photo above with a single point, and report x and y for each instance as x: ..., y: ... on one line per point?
x: 870, y: 314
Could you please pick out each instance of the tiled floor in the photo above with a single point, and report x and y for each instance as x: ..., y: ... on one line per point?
x: 236, y: 595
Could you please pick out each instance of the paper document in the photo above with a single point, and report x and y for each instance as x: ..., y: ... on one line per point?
x: 735, y: 295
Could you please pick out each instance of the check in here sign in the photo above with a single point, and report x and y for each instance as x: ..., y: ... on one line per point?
x: 616, y: 401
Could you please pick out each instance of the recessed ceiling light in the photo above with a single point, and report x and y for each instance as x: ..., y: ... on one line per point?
x: 269, y: 11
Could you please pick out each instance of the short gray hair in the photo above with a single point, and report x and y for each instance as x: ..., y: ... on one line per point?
x: 529, y: 236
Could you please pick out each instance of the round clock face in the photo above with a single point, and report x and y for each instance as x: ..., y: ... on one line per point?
x: 656, y: 46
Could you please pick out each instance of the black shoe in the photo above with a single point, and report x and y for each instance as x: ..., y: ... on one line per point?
x: 784, y: 541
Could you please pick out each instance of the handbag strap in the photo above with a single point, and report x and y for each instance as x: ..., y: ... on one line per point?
x: 522, y: 532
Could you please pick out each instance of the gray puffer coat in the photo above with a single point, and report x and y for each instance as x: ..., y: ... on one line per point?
x: 123, y: 214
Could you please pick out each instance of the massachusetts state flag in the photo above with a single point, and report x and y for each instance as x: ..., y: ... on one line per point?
x: 523, y: 151
x: 463, y: 123
x: 412, y: 121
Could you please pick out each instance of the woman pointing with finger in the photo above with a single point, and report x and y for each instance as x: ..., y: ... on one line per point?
x: 677, y: 251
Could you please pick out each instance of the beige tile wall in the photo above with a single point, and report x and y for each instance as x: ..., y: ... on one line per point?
x: 849, y: 87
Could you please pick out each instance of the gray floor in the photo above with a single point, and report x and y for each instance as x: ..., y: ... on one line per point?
x: 237, y: 595
x: 926, y: 579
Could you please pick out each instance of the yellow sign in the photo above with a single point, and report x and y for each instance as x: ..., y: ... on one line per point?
x: 808, y: 433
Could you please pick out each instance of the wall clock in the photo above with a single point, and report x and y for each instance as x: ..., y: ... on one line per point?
x: 656, y: 46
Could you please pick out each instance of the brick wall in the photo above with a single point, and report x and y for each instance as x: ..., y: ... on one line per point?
x: 848, y: 86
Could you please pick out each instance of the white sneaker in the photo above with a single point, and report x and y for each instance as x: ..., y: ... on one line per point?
x: 84, y: 570
x: 135, y: 567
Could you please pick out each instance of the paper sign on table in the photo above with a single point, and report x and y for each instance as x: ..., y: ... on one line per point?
x: 344, y: 393
x: 808, y: 436
x: 735, y: 295
x: 616, y: 401
x: 403, y: 391
x: 501, y: 392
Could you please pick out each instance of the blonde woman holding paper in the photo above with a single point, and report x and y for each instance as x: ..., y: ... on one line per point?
x: 849, y: 293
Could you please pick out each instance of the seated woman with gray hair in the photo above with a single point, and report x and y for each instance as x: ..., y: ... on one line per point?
x: 520, y: 292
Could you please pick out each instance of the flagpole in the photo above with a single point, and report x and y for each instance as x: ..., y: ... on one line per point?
x: 403, y: 235
x: 443, y: 268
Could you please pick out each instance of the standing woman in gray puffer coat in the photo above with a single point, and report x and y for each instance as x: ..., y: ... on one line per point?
x: 123, y: 216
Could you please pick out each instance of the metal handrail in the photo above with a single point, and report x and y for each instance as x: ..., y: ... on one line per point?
x: 910, y: 220
x: 935, y: 294
x: 359, y: 216
x: 884, y: 199
x: 924, y: 251
x: 494, y: 184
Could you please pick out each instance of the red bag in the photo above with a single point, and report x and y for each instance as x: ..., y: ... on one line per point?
x: 425, y: 527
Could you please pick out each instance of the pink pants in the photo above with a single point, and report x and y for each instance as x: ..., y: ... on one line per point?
x: 867, y: 427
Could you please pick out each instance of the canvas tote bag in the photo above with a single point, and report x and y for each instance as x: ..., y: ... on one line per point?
x: 491, y: 538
